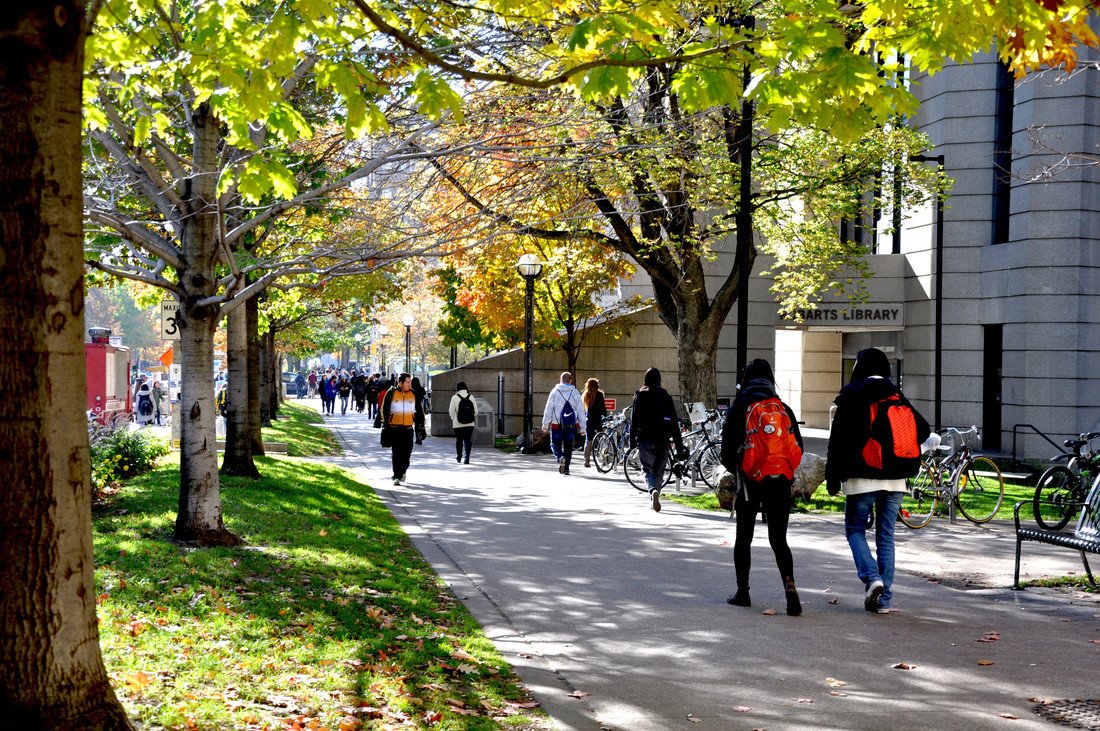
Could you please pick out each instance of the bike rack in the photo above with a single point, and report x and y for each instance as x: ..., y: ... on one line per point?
x: 1015, y: 430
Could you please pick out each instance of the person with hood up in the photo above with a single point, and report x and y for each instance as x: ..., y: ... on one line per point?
x: 563, y: 416
x: 653, y: 423
x: 463, y: 411
x: 756, y: 396
x: 865, y: 486
x: 143, y: 404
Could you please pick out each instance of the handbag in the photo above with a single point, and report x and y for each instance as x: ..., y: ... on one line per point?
x: 386, y: 440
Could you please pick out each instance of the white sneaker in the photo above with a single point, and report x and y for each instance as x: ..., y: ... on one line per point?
x: 871, y: 600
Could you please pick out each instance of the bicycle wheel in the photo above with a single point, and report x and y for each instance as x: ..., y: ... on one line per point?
x: 918, y: 505
x: 603, y: 452
x: 710, y: 465
x: 1053, y: 493
x: 632, y: 466
x: 981, y: 490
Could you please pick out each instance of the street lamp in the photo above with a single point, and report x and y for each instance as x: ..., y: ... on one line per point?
x: 407, y: 320
x: 383, y: 331
x: 529, y: 267
x: 359, y: 351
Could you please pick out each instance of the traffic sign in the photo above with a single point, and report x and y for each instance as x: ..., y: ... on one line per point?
x: 169, y: 320
x: 609, y: 403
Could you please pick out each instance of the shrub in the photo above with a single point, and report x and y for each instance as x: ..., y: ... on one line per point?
x: 120, y: 453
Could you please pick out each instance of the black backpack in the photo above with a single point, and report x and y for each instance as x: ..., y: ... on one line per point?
x: 465, y: 411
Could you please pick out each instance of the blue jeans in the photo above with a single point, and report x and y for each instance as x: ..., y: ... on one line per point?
x: 561, y: 443
x: 653, y: 458
x: 857, y: 508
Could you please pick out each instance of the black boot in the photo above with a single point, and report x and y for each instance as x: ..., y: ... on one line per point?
x: 794, y: 606
x: 741, y: 598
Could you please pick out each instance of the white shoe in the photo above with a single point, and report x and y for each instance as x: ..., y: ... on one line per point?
x: 871, y: 599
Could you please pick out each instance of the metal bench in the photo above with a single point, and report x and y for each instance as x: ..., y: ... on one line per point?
x: 1085, y: 538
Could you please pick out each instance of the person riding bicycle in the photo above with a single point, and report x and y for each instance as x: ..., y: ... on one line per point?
x: 868, y: 486
x: 767, y: 486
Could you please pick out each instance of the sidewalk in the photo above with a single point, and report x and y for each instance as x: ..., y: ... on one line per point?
x: 589, y: 593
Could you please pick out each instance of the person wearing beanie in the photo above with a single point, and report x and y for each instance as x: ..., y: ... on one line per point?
x: 772, y: 493
x: 865, y: 486
x: 653, y: 424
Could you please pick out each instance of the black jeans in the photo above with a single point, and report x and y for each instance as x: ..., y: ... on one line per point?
x: 402, y: 449
x: 775, y: 498
x: 463, y: 439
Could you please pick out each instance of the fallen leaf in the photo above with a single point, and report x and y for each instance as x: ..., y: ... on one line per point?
x: 1040, y: 701
x: 1094, y: 642
x: 323, y: 533
x: 579, y: 694
x: 985, y: 662
x: 769, y: 612
x: 525, y: 704
x: 524, y: 655
x: 834, y: 683
x: 433, y: 717
x: 903, y: 666
x: 989, y: 637
x: 1009, y: 716
x: 693, y: 719
x: 138, y: 680
x: 742, y: 709
x: 804, y: 700
x: 838, y: 694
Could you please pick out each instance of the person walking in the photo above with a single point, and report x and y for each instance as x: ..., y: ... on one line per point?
x: 762, y: 446
x: 311, y: 382
x: 595, y: 411
x: 562, y: 415
x: 343, y: 390
x: 158, y: 399
x: 402, y: 414
x: 873, y: 477
x: 653, y: 423
x: 300, y: 385
x: 359, y: 391
x: 421, y: 394
x: 463, y: 411
x: 328, y: 394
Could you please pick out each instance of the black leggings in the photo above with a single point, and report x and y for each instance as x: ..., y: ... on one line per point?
x: 463, y: 438
x: 775, y: 498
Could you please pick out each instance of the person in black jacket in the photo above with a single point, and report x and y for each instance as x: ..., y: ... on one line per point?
x: 595, y: 410
x: 773, y: 494
x: 865, y: 487
x: 653, y: 423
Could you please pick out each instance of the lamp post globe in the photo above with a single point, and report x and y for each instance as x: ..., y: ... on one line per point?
x: 529, y: 266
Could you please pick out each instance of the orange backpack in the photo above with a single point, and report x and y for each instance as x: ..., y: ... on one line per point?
x: 892, y: 446
x: 770, y: 448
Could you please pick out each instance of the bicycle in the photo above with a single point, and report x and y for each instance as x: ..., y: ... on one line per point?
x: 704, y: 458
x: 974, y: 483
x: 610, y: 446
x: 1062, y: 488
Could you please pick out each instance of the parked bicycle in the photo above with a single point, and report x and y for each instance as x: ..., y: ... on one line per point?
x: 973, y: 482
x: 610, y: 446
x: 704, y: 457
x: 1062, y: 488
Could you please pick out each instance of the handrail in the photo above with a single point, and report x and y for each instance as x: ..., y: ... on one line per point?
x: 1050, y: 441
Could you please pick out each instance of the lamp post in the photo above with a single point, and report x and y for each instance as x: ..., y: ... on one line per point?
x: 359, y: 351
x: 407, y: 321
x: 382, y: 332
x: 529, y: 267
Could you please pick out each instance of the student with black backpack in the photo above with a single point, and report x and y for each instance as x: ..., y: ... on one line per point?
x: 653, y: 424
x: 875, y: 443
x: 761, y: 444
x: 463, y: 412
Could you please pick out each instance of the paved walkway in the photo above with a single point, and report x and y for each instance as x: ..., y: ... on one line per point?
x: 615, y: 616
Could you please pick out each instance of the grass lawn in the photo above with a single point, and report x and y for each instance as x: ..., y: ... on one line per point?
x: 327, y: 619
x: 296, y: 427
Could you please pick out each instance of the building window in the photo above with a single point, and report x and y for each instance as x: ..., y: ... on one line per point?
x: 1002, y: 154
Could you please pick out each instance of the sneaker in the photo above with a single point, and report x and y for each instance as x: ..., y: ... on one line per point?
x: 561, y: 468
x: 655, y: 498
x: 466, y: 461
x: 872, y: 599
x: 883, y: 610
x: 397, y: 480
x: 565, y: 470
x: 740, y: 599
x: 458, y: 459
x: 794, y: 606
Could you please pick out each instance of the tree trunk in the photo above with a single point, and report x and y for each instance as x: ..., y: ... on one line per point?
x: 275, y: 381
x: 265, y: 382
x: 237, y: 459
x: 199, y: 520
x: 255, y: 436
x: 51, y: 670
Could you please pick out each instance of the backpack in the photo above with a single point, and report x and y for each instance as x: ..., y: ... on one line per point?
x: 892, y: 445
x: 465, y: 410
x: 568, y: 416
x: 770, y: 450
x: 145, y: 405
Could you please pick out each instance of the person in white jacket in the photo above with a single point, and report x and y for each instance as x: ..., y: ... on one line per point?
x: 463, y: 411
x: 564, y: 416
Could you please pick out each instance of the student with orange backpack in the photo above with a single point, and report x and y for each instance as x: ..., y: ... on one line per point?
x: 761, y: 444
x: 875, y: 443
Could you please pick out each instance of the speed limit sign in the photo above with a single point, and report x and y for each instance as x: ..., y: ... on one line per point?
x: 169, y: 320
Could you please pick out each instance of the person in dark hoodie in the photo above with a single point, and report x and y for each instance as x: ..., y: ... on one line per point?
x: 653, y: 423
x: 865, y: 487
x: 772, y: 493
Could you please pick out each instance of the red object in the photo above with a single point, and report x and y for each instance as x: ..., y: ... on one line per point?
x: 166, y: 359
x: 609, y: 403
x: 770, y: 449
x: 108, y: 372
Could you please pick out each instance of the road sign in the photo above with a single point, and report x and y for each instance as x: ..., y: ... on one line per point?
x: 609, y: 403
x: 169, y: 320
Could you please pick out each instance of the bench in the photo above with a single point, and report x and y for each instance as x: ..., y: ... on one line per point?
x: 1085, y: 538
